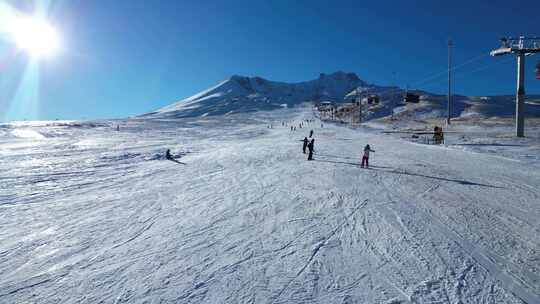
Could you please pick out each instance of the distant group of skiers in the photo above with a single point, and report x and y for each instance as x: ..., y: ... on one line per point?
x: 300, y: 125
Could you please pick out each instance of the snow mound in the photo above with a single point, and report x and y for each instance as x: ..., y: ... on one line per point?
x: 27, y: 133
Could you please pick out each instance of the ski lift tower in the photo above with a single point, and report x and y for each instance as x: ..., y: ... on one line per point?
x: 522, y: 46
x: 449, y: 106
x: 359, y: 93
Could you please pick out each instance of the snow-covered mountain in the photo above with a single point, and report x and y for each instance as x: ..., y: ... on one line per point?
x: 240, y: 94
x: 245, y: 94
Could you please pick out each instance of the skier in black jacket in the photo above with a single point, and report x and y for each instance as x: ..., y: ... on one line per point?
x: 305, y: 145
x: 311, y: 147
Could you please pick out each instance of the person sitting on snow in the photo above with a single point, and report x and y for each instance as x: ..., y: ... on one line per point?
x: 365, y: 158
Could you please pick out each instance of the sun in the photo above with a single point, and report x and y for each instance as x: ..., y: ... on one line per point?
x: 34, y: 35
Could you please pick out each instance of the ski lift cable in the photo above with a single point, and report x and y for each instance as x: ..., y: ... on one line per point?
x: 461, y: 74
x: 485, y: 67
x: 433, y: 78
x: 456, y: 67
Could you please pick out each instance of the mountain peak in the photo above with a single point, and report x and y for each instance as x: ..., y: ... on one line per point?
x: 236, y: 77
x: 243, y: 94
x: 340, y: 75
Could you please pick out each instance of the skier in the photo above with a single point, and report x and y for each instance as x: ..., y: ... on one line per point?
x: 117, y: 128
x: 310, y: 133
x: 365, y: 158
x: 168, y: 154
x: 291, y: 128
x: 311, y: 147
x: 305, y: 145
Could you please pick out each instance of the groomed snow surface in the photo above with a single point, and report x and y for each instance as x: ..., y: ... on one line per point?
x: 92, y: 215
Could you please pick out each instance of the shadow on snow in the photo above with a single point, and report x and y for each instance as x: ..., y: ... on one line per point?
x: 402, y: 172
x: 176, y: 161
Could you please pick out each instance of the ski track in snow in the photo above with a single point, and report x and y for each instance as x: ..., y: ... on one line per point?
x: 92, y: 215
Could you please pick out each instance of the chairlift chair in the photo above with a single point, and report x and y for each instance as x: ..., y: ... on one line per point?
x: 373, y: 99
x: 411, y: 98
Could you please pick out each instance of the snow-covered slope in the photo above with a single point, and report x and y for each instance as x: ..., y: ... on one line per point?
x: 92, y: 215
x: 246, y: 94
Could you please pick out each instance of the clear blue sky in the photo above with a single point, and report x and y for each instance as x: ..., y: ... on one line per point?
x: 128, y: 57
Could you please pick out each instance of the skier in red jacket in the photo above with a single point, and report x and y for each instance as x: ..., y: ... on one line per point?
x: 365, y: 158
